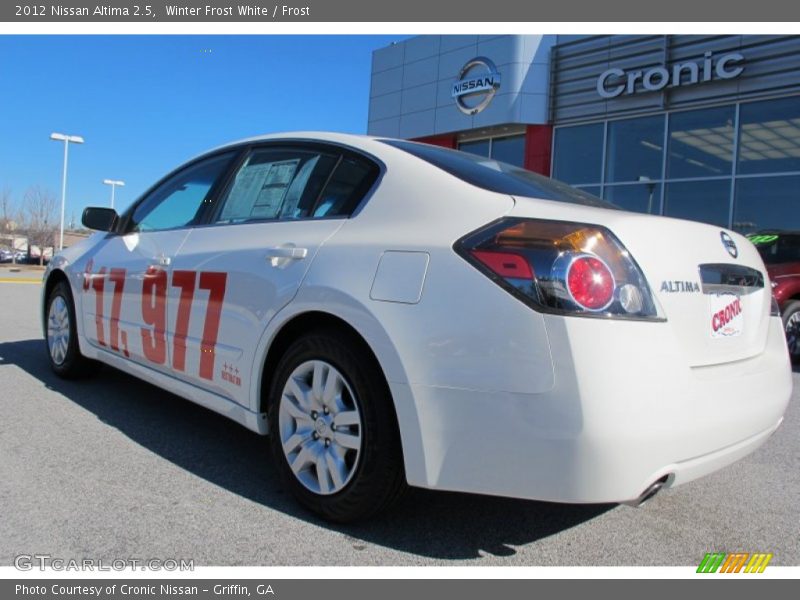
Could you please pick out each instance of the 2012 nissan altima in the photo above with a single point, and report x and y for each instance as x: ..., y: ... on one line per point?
x: 393, y: 313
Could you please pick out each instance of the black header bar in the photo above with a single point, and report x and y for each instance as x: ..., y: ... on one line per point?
x: 494, y: 11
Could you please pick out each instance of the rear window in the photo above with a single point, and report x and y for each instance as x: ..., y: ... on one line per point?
x: 497, y: 176
x: 777, y: 248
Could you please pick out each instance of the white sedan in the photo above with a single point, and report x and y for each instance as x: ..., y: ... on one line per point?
x: 393, y: 314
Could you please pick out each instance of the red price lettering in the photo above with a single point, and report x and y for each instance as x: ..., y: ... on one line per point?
x: 184, y: 280
x: 154, y: 313
x: 215, y: 284
x: 117, y: 277
x: 98, y: 283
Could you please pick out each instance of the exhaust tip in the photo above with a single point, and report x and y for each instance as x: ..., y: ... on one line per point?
x: 649, y: 492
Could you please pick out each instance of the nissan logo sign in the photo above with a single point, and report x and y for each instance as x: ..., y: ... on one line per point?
x: 476, y: 85
x: 729, y: 244
x: 615, y: 82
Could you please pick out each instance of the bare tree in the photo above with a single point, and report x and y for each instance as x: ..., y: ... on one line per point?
x: 6, y: 209
x: 39, y: 220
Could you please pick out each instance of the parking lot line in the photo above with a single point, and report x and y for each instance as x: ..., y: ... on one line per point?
x: 19, y: 280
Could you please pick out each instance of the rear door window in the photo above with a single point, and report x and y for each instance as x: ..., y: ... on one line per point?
x: 276, y: 183
x: 350, y: 182
x: 296, y: 183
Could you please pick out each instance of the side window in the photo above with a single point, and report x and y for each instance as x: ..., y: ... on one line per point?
x: 350, y: 182
x: 276, y: 183
x: 181, y: 199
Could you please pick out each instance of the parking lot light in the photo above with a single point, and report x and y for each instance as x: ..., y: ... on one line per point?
x: 75, y: 139
x: 113, y: 183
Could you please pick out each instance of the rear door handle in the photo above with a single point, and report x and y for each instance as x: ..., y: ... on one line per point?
x: 291, y: 252
x: 163, y: 261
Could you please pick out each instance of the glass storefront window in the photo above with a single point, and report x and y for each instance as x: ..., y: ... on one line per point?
x: 767, y: 203
x: 594, y: 190
x: 706, y: 201
x: 635, y: 149
x: 509, y: 149
x: 479, y: 147
x: 578, y: 154
x: 696, y: 178
x: 701, y: 143
x: 643, y: 198
x: 769, y: 138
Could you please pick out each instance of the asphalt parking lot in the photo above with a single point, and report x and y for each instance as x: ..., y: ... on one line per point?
x: 111, y: 467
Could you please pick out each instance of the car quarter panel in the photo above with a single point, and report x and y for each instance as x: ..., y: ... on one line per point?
x: 460, y: 332
x: 420, y: 209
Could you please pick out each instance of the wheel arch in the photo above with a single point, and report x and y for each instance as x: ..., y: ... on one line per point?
x: 294, y: 327
x: 377, y: 343
x: 54, y: 278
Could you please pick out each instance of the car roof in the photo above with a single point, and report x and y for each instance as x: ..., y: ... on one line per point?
x: 350, y: 139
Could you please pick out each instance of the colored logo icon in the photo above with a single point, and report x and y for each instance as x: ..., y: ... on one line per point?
x: 737, y: 562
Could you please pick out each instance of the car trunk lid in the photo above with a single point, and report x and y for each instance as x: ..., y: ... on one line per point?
x: 709, y: 283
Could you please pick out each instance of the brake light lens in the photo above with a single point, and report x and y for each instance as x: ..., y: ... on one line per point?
x: 561, y: 267
x: 590, y: 282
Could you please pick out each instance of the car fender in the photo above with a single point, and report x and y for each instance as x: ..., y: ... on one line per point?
x: 314, y: 298
x: 64, y: 263
x: 787, y: 287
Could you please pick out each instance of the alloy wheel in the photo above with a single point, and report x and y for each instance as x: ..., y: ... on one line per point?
x: 58, y: 330
x: 320, y: 427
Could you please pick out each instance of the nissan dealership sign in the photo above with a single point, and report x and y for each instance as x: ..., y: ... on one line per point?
x: 476, y: 85
x: 616, y: 82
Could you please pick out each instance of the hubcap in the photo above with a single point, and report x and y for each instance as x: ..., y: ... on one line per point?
x: 793, y: 333
x: 58, y: 330
x: 320, y: 427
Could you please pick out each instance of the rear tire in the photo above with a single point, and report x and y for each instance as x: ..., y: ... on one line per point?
x: 791, y: 327
x: 61, y: 338
x: 333, y: 431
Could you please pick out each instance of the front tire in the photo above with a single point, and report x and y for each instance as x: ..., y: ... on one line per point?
x: 63, y: 351
x: 333, y: 431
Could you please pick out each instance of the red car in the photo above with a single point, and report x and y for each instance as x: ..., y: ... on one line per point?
x: 781, y: 253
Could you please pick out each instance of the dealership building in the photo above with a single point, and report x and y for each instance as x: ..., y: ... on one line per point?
x: 697, y: 127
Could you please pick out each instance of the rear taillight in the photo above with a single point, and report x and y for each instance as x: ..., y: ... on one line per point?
x: 556, y: 266
x: 590, y: 282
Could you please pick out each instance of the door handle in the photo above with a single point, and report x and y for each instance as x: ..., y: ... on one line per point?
x: 291, y: 252
x: 163, y: 261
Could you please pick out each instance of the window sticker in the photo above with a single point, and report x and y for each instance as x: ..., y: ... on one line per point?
x: 273, y: 189
x: 259, y: 190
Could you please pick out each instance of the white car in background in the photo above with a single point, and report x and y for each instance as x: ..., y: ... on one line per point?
x: 394, y: 313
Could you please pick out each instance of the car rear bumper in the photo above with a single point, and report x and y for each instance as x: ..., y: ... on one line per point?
x: 625, y: 411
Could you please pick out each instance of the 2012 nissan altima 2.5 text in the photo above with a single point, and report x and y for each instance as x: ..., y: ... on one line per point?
x: 394, y: 314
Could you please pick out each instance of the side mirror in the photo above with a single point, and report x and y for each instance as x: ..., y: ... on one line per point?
x: 98, y: 218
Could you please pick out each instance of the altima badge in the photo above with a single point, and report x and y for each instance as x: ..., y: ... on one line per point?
x: 671, y: 287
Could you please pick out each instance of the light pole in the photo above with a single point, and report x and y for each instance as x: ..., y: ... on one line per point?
x: 113, y: 183
x: 75, y: 139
